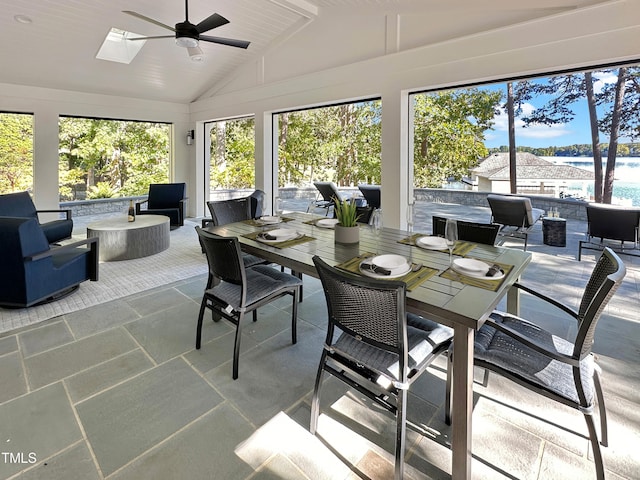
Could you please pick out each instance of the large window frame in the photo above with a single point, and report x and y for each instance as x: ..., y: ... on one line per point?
x: 16, y: 151
x: 118, y: 159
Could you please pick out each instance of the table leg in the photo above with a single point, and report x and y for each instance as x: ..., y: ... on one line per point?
x: 462, y: 402
x: 513, y: 301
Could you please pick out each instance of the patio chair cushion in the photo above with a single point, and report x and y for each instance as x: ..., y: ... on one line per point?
x: 423, y: 336
x: 262, y: 281
x: 513, y: 210
x: 517, y: 359
x: 20, y: 205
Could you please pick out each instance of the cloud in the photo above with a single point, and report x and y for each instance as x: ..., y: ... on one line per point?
x: 534, y: 130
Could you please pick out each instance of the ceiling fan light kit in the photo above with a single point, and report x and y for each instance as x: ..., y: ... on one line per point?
x: 188, y: 35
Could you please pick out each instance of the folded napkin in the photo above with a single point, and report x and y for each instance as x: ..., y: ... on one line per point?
x: 266, y: 236
x: 494, y: 270
x: 376, y: 268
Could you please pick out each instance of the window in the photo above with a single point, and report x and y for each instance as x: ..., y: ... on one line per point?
x: 231, y: 156
x: 102, y: 158
x: 461, y: 135
x: 338, y: 143
x: 16, y: 152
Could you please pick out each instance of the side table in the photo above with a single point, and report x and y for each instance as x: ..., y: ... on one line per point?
x: 554, y: 231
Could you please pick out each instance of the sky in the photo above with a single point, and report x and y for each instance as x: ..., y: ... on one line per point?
x: 537, y: 136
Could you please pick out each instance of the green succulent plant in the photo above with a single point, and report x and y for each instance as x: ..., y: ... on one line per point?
x: 346, y: 212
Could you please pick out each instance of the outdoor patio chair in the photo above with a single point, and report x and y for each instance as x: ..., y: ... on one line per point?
x: 515, y: 214
x: 611, y: 225
x: 33, y: 271
x: 544, y: 363
x: 165, y: 199
x: 328, y: 193
x: 230, y: 211
x: 374, y: 346
x: 485, y: 233
x: 19, y: 204
x: 241, y: 290
x: 371, y: 194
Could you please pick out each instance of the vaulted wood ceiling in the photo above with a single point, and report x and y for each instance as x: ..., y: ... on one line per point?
x: 58, y: 48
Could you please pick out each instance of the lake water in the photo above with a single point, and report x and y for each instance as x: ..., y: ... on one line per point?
x: 627, y: 175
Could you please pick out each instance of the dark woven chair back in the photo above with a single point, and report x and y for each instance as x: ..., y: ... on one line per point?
x: 369, y: 309
x: 371, y: 194
x: 229, y: 211
x: 485, y: 233
x: 256, y: 199
x: 603, y: 283
x: 223, y: 256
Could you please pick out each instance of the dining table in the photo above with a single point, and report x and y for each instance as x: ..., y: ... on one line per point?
x: 434, y: 290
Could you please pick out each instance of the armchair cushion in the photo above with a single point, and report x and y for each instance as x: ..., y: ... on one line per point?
x: 19, y: 204
x: 35, y: 272
x: 165, y: 199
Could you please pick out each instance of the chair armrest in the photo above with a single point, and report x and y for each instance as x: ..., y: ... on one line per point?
x: 66, y: 211
x: 139, y: 204
x: 206, y: 222
x: 547, y: 299
x: 93, y: 245
x: 561, y: 357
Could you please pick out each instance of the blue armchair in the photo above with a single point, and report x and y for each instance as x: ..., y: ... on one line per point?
x: 165, y: 199
x: 33, y: 271
x: 19, y: 204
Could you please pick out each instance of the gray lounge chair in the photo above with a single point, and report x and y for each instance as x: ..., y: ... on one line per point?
x: 515, y: 214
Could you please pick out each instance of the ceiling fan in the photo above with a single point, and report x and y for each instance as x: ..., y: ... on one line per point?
x: 189, y: 35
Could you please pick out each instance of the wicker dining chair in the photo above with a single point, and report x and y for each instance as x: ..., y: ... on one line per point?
x: 485, y: 233
x: 544, y: 363
x: 241, y: 290
x: 229, y: 211
x: 380, y: 350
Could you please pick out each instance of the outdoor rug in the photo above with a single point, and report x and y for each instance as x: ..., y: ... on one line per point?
x: 183, y: 259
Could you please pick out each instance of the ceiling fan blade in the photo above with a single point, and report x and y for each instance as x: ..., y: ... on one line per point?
x: 211, y: 22
x: 225, y: 41
x: 150, y: 20
x: 151, y: 38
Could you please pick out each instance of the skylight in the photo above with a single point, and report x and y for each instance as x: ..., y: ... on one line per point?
x: 117, y: 48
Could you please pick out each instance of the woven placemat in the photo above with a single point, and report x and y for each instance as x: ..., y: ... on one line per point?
x: 284, y: 243
x: 412, y: 279
x: 486, y: 283
x: 461, y: 248
x: 258, y: 223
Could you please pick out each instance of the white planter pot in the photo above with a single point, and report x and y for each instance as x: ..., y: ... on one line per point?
x: 347, y: 235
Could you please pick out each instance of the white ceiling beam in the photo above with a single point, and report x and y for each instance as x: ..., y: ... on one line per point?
x: 301, y: 7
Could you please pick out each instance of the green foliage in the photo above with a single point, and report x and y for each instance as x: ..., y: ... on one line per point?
x: 16, y: 152
x: 101, y: 190
x: 449, y: 133
x: 341, y: 143
x: 346, y: 212
x: 127, y: 156
x: 233, y: 154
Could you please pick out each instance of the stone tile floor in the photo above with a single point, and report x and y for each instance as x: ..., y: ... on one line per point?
x: 136, y: 401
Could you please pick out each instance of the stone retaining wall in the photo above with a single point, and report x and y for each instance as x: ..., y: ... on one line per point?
x: 80, y: 208
x: 567, y: 208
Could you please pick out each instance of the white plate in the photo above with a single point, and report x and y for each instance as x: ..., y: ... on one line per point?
x: 474, y: 268
x: 471, y: 265
x: 327, y: 222
x: 432, y: 243
x: 281, y: 234
x: 369, y: 273
x: 269, y: 220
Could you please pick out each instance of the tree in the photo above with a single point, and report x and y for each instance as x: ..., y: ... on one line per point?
x: 233, y: 154
x: 618, y: 112
x: 126, y: 156
x: 449, y: 133
x: 16, y: 152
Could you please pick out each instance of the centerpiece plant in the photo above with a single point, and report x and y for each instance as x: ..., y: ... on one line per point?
x: 346, y: 231
x: 346, y: 212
